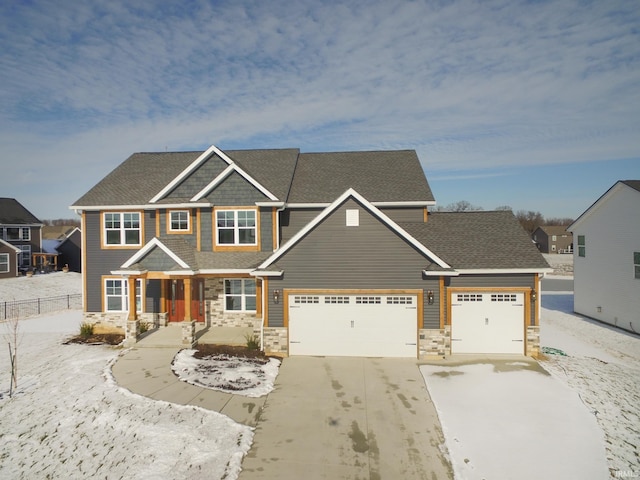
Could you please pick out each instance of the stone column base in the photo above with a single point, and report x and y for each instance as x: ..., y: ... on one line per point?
x: 189, y: 333
x: 163, y: 319
x: 131, y: 332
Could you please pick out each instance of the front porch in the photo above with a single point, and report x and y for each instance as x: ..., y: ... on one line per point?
x: 171, y: 336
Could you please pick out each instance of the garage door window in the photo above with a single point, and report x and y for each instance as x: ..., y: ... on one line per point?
x: 240, y: 295
x: 333, y: 299
x: 502, y: 297
x: 399, y: 300
x: 469, y: 297
x: 368, y: 300
x: 306, y: 299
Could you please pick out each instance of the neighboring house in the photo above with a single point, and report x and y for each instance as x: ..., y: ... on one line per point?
x: 63, y: 243
x: 553, y: 239
x: 70, y: 251
x: 9, y: 260
x: 606, y: 258
x: 20, y: 228
x: 319, y: 253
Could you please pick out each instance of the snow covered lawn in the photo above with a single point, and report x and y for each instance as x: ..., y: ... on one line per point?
x: 251, y: 377
x: 581, y: 421
x: 40, y: 286
x: 70, y: 420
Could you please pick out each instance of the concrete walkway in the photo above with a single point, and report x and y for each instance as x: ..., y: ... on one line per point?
x: 146, y: 370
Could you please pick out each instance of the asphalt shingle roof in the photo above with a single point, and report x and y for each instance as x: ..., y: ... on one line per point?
x: 478, y: 240
x: 13, y: 213
x: 380, y: 176
x: 635, y: 184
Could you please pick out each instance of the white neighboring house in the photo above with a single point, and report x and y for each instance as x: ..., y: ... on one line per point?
x: 607, y: 257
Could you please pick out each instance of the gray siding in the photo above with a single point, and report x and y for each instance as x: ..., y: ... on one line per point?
x: 206, y: 229
x: 199, y: 179
x: 370, y: 256
x: 71, y: 252
x: 13, y: 262
x: 292, y: 221
x: 100, y: 262
x: 152, y: 296
x: 266, y: 230
x: 189, y: 237
x: 235, y: 191
x: 157, y: 260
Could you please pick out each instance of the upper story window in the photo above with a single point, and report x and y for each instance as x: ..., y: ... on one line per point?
x: 17, y: 233
x: 179, y: 221
x: 25, y: 255
x: 636, y: 264
x: 4, y: 262
x: 581, y: 246
x: 236, y: 227
x: 553, y: 238
x: 122, y: 228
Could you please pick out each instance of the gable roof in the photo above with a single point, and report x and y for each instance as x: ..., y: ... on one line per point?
x: 13, y: 212
x: 351, y: 193
x: 280, y: 174
x: 554, y: 229
x: 380, y: 176
x: 633, y: 184
x: 485, y: 240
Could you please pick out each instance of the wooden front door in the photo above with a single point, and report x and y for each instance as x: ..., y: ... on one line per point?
x: 176, y: 300
x: 197, y: 299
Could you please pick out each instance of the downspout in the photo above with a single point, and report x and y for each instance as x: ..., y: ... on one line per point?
x: 262, y: 300
x: 278, y: 210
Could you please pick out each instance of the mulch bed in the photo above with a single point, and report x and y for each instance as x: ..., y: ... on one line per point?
x: 97, y: 339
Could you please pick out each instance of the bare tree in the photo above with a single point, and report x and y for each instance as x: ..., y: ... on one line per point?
x: 529, y: 220
x: 504, y: 208
x: 12, y: 336
x: 460, y: 206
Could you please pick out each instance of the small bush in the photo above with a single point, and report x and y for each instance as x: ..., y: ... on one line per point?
x: 144, y: 327
x: 253, y: 341
x: 86, y: 329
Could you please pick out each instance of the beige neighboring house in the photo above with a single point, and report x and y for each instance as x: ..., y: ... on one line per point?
x: 553, y: 239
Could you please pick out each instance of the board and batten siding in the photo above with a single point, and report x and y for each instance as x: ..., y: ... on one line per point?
x: 370, y: 256
x: 605, y: 287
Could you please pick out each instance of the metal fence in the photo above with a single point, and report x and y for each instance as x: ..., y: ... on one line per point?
x: 29, y: 308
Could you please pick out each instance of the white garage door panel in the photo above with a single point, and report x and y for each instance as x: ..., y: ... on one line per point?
x: 349, y: 325
x: 487, y: 322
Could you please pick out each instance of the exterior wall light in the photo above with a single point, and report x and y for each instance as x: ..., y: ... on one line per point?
x: 430, y: 297
x: 276, y: 296
x: 534, y: 295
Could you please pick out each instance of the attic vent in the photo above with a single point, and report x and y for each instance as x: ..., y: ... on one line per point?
x: 353, y: 218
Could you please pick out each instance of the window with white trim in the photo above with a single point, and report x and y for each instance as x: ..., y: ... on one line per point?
x: 399, y: 300
x: 4, y: 262
x: 25, y: 255
x: 306, y: 299
x: 503, y: 297
x: 122, y: 228
x: 581, y: 246
x: 240, y: 295
x: 368, y: 300
x: 116, y: 295
x: 179, y: 221
x: 469, y: 297
x: 236, y: 227
x: 335, y: 299
x: 636, y: 264
x: 14, y: 234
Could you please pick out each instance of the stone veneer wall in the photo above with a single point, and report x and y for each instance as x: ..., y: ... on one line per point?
x: 217, y: 317
x: 434, y: 342
x: 276, y: 341
x: 119, y: 319
x: 533, y: 341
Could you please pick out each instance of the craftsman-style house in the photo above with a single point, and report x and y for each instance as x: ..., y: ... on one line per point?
x: 319, y: 253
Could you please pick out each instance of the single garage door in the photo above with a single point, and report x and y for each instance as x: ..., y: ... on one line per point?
x: 487, y: 322
x: 353, y: 325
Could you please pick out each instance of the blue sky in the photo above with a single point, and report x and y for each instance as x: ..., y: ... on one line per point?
x: 533, y: 104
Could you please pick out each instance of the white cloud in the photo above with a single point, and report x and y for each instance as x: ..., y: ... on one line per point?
x: 468, y: 84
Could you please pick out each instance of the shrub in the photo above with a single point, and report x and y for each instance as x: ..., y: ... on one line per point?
x: 86, y: 329
x: 253, y: 341
x: 144, y: 327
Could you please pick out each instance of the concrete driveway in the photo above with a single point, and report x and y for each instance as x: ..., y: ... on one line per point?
x: 341, y: 417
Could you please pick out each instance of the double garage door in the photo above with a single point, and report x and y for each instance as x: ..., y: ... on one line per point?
x: 487, y: 322
x: 353, y: 325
